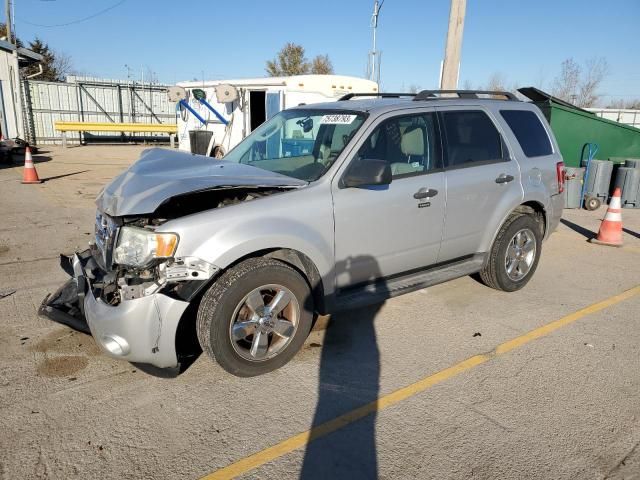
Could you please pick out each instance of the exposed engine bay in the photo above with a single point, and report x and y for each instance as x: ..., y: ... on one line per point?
x: 180, y: 278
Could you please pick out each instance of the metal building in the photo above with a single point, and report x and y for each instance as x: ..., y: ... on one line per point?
x: 12, y: 117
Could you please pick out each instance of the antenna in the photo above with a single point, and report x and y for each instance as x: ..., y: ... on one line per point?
x: 373, y: 69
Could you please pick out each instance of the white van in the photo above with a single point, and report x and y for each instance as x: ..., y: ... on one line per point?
x: 231, y: 109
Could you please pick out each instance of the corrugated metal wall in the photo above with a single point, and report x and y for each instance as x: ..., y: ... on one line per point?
x: 93, y: 100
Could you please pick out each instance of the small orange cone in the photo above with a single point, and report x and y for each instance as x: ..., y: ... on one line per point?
x: 30, y: 174
x: 611, y: 228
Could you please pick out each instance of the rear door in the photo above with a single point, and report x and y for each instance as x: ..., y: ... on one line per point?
x: 382, y: 231
x: 482, y: 179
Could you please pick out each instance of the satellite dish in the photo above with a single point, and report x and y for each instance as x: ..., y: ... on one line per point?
x: 176, y: 93
x: 226, y: 93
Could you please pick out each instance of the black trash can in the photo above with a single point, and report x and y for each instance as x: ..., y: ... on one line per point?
x: 199, y: 140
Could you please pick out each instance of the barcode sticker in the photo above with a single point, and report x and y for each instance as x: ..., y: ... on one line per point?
x: 337, y: 119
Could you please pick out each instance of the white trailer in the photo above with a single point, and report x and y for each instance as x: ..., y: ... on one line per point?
x: 231, y: 109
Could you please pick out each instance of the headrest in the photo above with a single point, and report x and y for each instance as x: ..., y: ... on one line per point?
x: 412, y: 142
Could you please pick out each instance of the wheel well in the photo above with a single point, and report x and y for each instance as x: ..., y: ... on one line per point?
x: 187, y: 345
x: 303, y: 264
x: 536, y: 209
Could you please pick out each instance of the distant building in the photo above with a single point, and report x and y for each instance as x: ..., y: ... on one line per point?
x: 12, y: 122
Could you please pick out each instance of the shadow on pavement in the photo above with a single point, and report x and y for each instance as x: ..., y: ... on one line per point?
x: 585, y: 232
x: 631, y: 232
x: 12, y: 160
x: 63, y: 175
x: 349, y: 378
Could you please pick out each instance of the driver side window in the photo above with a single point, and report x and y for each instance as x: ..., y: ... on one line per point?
x: 409, y: 143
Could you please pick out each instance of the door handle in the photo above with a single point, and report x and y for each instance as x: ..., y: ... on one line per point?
x: 425, y: 193
x: 503, y: 178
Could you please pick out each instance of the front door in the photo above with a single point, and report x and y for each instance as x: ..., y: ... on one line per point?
x: 382, y: 231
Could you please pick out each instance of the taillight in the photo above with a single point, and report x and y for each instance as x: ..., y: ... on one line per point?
x: 560, y: 175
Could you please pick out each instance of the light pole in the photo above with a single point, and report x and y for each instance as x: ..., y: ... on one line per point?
x: 374, y: 74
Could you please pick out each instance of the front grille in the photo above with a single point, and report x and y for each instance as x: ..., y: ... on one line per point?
x: 105, y: 233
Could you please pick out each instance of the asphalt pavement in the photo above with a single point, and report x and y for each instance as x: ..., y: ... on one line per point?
x: 455, y: 381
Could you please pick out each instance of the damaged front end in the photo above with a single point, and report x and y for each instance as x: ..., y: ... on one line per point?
x: 133, y: 312
x: 130, y: 290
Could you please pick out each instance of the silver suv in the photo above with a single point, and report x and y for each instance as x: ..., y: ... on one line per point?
x: 323, y: 207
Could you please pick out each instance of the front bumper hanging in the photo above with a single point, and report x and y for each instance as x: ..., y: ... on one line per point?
x: 141, y: 330
x: 66, y: 305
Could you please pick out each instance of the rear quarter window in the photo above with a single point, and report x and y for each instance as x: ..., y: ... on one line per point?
x: 529, y: 132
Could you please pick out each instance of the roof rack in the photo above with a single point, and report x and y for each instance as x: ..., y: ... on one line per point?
x: 349, y: 96
x: 437, y: 94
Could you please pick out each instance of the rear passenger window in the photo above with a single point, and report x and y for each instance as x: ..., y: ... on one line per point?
x: 471, y: 138
x: 530, y: 133
x: 410, y: 144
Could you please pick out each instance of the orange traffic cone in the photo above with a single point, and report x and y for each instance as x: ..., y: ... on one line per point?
x: 30, y: 175
x: 611, y: 228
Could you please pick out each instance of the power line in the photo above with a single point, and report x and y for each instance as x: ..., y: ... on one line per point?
x: 80, y: 20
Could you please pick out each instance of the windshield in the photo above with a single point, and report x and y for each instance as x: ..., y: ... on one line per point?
x: 299, y: 143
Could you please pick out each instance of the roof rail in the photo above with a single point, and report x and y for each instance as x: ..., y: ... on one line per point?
x: 437, y: 94
x: 349, y: 96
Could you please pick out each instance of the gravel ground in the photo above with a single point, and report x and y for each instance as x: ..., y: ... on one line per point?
x: 564, y: 406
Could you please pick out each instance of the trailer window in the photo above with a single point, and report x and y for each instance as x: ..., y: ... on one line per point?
x: 299, y: 143
x: 528, y: 129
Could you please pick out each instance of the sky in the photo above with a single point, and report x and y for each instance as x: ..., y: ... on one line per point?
x: 522, y: 41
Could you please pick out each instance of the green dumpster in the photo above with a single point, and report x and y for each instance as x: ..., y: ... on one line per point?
x: 573, y: 127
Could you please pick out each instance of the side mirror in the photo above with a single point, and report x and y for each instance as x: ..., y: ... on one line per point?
x: 367, y: 172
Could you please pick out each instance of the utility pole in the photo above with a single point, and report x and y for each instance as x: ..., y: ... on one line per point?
x: 7, y: 7
x: 374, y: 71
x: 451, y: 64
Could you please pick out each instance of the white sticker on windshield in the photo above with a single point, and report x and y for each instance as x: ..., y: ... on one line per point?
x: 337, y: 119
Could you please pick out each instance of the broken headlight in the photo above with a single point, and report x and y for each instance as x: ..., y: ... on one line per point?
x: 138, y: 247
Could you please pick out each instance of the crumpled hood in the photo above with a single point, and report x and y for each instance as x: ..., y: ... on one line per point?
x: 160, y: 174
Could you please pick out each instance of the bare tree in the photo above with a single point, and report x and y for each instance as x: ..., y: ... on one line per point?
x: 621, y: 104
x: 595, y: 71
x: 565, y: 85
x: 321, y: 65
x: 541, y: 79
x: 579, y: 84
x: 289, y: 61
x: 467, y: 85
x: 63, y: 65
x: 497, y: 82
x: 413, y: 88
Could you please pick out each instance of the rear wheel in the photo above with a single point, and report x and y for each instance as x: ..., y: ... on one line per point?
x: 514, y: 255
x: 255, y: 317
x: 592, y: 203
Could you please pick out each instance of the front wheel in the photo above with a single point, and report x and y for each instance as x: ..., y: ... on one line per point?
x: 514, y: 255
x: 255, y: 317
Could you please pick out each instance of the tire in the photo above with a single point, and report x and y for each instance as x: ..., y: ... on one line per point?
x: 229, y: 308
x: 592, y: 203
x: 495, y: 273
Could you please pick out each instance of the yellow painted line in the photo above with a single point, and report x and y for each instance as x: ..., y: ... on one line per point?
x: 298, y: 441
x: 631, y: 249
